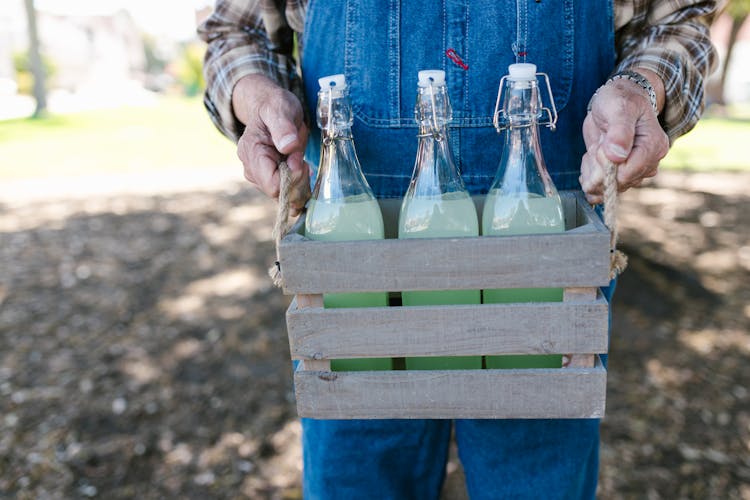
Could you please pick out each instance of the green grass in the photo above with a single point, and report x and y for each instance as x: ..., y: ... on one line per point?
x: 175, y: 133
x: 714, y: 144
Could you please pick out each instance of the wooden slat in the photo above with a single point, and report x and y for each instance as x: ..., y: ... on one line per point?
x: 578, y: 257
x: 585, y: 214
x: 580, y: 294
x: 321, y: 365
x: 299, y: 226
x: 579, y: 360
x: 560, y: 260
x: 524, y: 328
x: 569, y: 204
x: 542, y: 393
x: 304, y: 301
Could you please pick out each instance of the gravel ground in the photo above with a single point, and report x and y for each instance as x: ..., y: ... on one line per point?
x: 143, y: 351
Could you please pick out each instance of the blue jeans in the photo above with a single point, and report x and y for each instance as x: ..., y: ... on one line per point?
x: 405, y: 459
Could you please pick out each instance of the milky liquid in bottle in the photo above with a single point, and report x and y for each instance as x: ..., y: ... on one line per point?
x: 343, y: 207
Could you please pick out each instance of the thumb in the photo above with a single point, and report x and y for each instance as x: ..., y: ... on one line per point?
x: 280, y: 119
x: 618, y: 140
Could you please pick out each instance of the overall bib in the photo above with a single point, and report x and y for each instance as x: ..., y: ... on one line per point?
x: 380, y: 45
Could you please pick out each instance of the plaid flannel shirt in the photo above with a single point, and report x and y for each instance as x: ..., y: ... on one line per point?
x: 668, y: 37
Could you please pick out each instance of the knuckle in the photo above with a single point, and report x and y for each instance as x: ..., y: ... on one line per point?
x: 249, y: 176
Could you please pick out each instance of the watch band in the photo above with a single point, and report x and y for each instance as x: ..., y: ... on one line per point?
x: 642, y: 82
x: 638, y: 79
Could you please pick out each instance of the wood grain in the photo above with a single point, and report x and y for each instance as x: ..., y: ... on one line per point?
x: 542, y: 393
x: 524, y: 328
x: 578, y: 257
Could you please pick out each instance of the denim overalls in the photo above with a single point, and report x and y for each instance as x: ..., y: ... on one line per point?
x: 381, y: 45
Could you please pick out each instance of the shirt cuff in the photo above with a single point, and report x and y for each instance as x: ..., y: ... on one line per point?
x: 225, y: 70
x: 683, y: 88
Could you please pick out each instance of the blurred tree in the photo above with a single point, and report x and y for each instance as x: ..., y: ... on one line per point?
x: 24, y: 76
x: 189, y: 68
x: 738, y: 10
x: 155, y: 63
x: 35, y: 61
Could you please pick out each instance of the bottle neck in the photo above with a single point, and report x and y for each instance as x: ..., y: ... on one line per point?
x: 522, y: 168
x: 435, y: 172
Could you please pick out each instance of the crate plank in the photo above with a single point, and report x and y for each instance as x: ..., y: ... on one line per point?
x: 542, y: 393
x: 580, y: 294
x: 306, y: 302
x: 524, y: 328
x: 561, y: 260
x: 579, y: 360
x: 578, y: 257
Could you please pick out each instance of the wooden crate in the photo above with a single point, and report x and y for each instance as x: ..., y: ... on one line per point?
x: 576, y: 260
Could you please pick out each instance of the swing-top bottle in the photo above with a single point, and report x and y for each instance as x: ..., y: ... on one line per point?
x: 522, y: 198
x: 437, y: 204
x: 343, y: 206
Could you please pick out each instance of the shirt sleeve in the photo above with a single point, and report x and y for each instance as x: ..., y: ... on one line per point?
x: 244, y: 37
x: 670, y: 38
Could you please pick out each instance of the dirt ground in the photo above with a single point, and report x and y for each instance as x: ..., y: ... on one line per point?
x: 143, y: 352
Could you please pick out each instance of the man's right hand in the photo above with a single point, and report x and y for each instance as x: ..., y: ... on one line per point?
x: 274, y: 129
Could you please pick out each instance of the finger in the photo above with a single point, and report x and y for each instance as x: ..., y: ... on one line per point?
x: 592, y: 175
x: 300, y: 188
x: 267, y: 177
x: 262, y: 166
x: 644, y: 159
x: 297, y: 166
x: 592, y: 134
x: 259, y: 161
x: 616, y: 114
x: 595, y: 199
x: 618, y: 140
x: 283, y: 119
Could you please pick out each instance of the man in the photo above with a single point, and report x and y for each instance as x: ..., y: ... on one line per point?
x: 629, y: 76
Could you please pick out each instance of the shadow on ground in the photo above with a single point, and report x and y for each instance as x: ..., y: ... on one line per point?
x: 143, y: 351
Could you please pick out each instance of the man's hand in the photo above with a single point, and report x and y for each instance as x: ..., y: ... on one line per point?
x: 274, y: 129
x: 622, y: 128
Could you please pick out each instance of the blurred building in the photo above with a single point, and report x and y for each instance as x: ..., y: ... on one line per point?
x: 92, y: 50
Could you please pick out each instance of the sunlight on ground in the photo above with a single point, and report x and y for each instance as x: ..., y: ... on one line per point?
x: 196, y: 299
x: 708, y: 341
x: 283, y: 471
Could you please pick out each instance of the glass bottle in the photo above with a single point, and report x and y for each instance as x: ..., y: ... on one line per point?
x: 437, y: 203
x: 523, y: 198
x: 342, y: 206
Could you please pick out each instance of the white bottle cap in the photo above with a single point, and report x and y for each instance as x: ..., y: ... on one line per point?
x: 436, y: 76
x: 522, y: 71
x: 337, y: 82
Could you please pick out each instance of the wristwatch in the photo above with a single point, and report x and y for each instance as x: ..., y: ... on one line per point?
x: 638, y: 79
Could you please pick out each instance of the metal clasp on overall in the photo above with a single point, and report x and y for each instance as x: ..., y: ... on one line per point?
x: 547, y: 115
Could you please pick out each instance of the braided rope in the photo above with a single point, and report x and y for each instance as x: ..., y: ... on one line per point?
x: 618, y: 260
x: 281, y: 226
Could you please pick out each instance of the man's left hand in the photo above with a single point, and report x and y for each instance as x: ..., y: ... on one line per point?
x: 623, y: 128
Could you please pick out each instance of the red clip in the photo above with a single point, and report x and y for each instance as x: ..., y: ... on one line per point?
x: 453, y: 56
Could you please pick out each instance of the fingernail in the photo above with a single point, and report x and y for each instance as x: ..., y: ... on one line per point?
x: 285, y: 141
x: 618, y: 151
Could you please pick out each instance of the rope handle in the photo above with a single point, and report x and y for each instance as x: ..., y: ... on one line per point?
x: 618, y: 261
x: 287, y: 193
